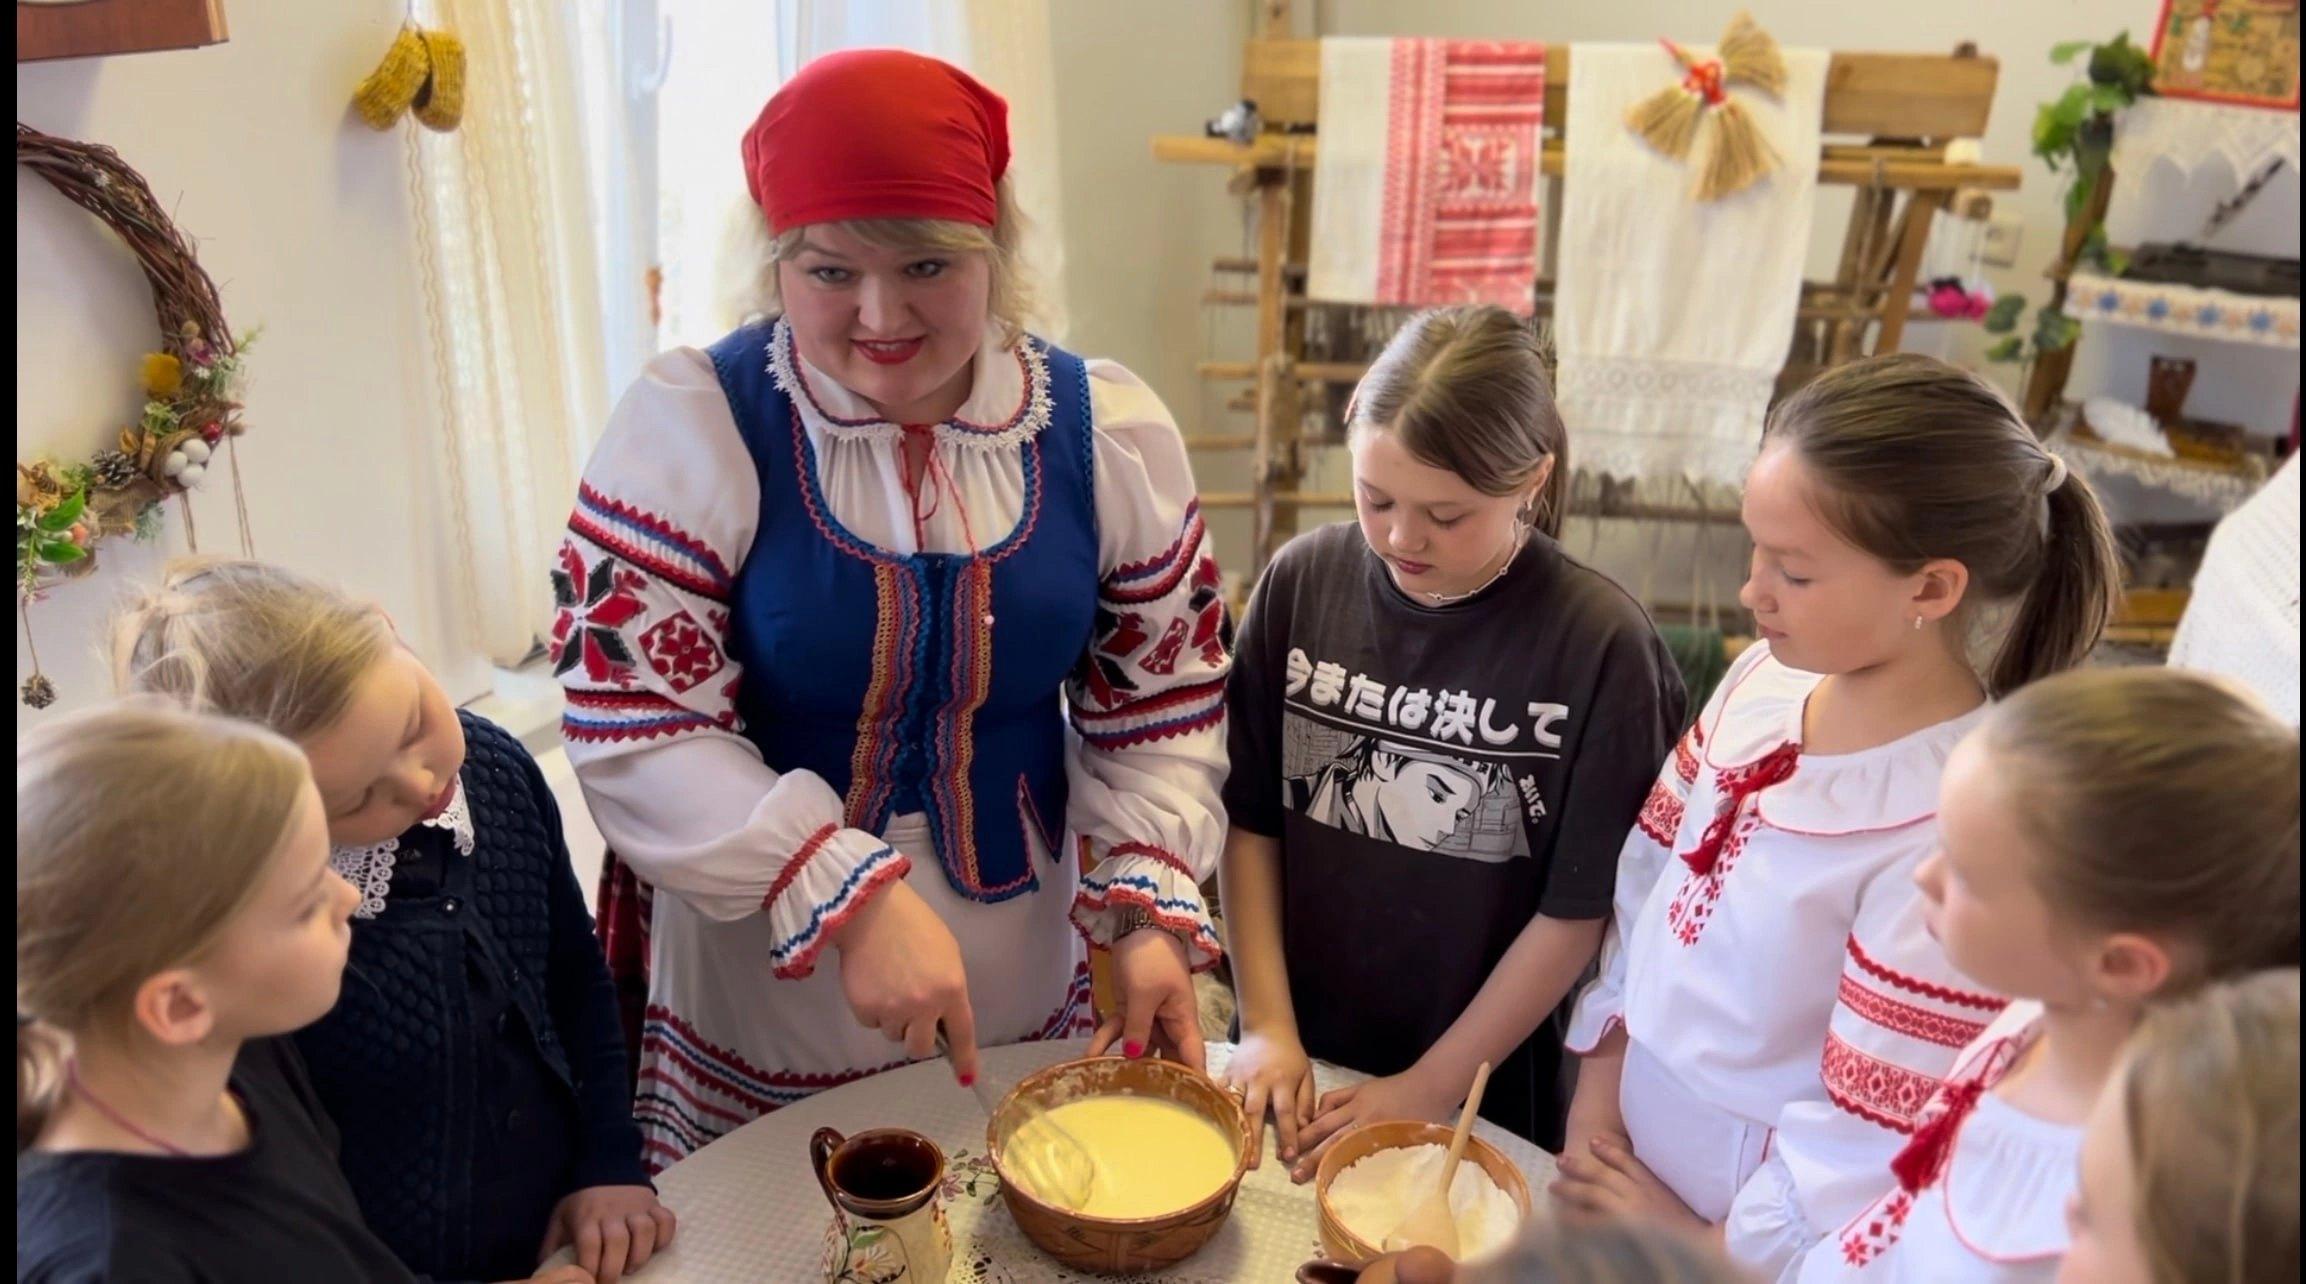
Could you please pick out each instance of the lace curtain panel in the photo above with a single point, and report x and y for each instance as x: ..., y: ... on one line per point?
x: 511, y: 297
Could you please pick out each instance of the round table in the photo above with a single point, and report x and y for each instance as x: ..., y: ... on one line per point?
x: 750, y: 1209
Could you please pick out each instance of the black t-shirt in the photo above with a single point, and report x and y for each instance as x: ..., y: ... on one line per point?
x: 1436, y: 776
x: 276, y: 1211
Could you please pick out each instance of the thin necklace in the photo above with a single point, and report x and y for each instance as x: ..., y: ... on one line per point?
x: 80, y: 1086
x: 1445, y: 599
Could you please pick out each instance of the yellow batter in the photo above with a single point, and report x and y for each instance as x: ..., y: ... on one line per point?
x: 1153, y: 1156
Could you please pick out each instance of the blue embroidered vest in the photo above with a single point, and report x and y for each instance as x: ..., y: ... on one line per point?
x: 931, y: 682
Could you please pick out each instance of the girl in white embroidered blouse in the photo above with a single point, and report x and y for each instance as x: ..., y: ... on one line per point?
x: 2190, y: 1162
x: 2110, y: 838
x: 1772, y: 1012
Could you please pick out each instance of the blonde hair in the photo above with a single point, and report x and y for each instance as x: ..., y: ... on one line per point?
x: 2164, y: 801
x: 1011, y: 305
x: 251, y: 640
x: 1464, y: 389
x: 2210, y: 1099
x: 142, y: 830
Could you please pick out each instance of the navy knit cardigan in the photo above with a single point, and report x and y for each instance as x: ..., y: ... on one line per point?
x: 399, y: 1065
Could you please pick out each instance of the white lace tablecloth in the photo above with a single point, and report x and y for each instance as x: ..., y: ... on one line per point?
x: 2188, y: 133
x: 751, y: 1211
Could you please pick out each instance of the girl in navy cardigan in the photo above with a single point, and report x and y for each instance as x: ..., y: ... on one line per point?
x: 474, y: 1063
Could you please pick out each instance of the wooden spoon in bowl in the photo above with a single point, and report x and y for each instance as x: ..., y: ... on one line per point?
x: 1429, y: 1220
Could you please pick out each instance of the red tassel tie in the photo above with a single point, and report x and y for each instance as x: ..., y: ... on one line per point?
x: 1704, y: 75
x: 1736, y: 785
x: 1923, y: 1160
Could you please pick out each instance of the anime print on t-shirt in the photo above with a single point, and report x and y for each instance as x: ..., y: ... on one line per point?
x: 1438, y: 771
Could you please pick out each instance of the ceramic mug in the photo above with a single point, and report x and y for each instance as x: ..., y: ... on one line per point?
x: 2168, y: 380
x: 886, y: 1188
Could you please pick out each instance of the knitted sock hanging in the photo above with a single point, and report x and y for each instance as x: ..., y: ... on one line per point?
x: 423, y: 71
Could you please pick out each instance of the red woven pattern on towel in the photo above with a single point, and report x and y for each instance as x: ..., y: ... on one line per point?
x: 1461, y: 168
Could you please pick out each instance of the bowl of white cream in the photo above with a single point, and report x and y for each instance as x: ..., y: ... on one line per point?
x: 1375, y: 1173
x: 1167, y: 1144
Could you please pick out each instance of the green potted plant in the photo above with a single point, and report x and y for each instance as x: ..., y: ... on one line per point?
x: 2074, y: 136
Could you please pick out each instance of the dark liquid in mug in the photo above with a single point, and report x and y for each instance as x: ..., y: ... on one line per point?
x: 884, y: 1168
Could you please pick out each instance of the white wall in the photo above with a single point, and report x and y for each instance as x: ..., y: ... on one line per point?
x: 1143, y: 234
x: 1139, y: 236
x: 301, y: 214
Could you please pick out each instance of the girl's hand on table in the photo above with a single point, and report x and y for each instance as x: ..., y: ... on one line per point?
x: 1607, y: 1181
x: 1273, y: 1070
x: 901, y: 973
x: 558, y: 1275
x: 1159, y: 1013
x: 614, y: 1230
x: 1408, y: 1095
x: 1593, y: 1109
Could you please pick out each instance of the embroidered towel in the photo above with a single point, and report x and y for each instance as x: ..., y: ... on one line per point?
x: 1672, y: 316
x: 1425, y: 184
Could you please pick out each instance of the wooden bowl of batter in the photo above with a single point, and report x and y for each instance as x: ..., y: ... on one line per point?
x: 1363, y: 1140
x: 1113, y: 1245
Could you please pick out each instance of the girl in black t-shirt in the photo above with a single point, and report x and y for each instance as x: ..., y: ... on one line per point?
x: 175, y: 908
x: 1442, y: 727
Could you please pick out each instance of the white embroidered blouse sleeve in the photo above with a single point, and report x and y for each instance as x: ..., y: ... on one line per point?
x: 1649, y: 848
x: 1901, y: 1021
x: 1147, y: 701
x: 663, y: 520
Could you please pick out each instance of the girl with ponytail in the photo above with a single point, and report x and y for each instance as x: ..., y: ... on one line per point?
x: 1772, y: 1012
x: 2112, y: 839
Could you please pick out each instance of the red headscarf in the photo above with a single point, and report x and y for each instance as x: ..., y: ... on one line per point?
x: 878, y: 133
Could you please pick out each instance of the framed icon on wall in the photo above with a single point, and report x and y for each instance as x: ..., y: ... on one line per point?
x: 2228, y: 51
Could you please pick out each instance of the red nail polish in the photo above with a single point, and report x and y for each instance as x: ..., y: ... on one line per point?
x: 1132, y: 1049
x: 968, y: 1081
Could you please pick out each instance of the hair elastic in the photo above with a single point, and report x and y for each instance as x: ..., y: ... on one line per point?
x: 2057, y: 475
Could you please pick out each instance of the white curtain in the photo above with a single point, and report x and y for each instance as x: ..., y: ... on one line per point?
x: 728, y: 56
x: 721, y: 64
x: 507, y: 235
x: 1008, y: 48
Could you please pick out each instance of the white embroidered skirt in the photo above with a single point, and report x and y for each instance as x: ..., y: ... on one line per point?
x: 725, y: 1042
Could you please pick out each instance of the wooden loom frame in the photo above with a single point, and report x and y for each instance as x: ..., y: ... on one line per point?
x: 1906, y: 107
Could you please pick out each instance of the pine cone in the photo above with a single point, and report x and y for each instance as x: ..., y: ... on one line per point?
x: 37, y: 691
x: 113, y: 470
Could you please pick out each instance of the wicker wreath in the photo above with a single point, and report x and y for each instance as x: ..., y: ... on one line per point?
x: 64, y: 510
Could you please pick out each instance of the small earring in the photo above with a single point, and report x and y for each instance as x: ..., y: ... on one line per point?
x: 1917, y: 624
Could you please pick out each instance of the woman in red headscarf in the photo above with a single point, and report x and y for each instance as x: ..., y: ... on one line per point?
x: 882, y: 621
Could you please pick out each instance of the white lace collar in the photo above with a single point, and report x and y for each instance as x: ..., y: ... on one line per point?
x: 1009, y: 403
x: 370, y: 868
